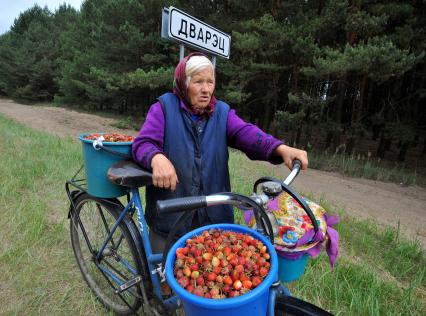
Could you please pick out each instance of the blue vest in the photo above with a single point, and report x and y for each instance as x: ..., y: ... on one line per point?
x: 199, y: 153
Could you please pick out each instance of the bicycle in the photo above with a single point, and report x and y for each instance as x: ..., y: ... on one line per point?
x: 114, y: 253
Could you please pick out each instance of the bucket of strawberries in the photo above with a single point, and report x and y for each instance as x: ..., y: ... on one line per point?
x: 222, y: 268
x: 100, y: 151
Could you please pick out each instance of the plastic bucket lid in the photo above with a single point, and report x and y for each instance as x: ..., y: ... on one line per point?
x: 96, y: 165
x: 254, y: 302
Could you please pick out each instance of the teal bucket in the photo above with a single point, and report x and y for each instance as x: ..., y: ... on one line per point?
x: 96, y: 165
x: 291, y: 269
x: 253, y: 303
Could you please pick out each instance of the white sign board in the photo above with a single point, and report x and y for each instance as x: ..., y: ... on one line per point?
x: 193, y: 32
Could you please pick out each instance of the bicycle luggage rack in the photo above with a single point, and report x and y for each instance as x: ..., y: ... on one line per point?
x: 81, y: 186
x: 78, y: 183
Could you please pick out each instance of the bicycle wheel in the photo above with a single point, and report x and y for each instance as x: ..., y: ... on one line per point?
x: 120, y: 261
x: 291, y: 306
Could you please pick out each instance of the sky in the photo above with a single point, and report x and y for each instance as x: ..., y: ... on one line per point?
x: 10, y: 9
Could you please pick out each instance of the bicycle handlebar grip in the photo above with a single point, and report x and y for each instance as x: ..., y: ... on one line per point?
x: 181, y: 204
x: 297, y: 164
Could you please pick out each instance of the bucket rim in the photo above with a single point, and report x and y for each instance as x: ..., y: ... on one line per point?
x: 90, y: 141
x: 222, y: 303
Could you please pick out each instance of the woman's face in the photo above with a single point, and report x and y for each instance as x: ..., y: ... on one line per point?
x: 201, y: 87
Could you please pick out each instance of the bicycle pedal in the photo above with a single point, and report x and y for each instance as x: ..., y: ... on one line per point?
x: 123, y: 287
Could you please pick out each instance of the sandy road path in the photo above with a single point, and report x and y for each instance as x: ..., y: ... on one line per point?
x: 387, y: 203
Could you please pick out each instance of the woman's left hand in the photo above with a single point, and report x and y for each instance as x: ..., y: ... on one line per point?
x: 289, y: 154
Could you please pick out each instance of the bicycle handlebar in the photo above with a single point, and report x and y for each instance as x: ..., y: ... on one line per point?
x: 297, y: 166
x: 182, y: 204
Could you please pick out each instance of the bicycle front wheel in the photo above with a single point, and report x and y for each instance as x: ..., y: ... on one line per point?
x: 91, y: 223
x: 291, y: 306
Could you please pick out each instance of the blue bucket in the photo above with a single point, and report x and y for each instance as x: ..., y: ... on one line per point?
x: 291, y: 269
x: 252, y: 303
x: 96, y: 165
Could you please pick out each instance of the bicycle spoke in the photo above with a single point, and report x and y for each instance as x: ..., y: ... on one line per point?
x: 105, y: 223
x: 83, y: 230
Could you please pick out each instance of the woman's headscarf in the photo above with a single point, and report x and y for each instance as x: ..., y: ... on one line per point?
x: 181, y: 90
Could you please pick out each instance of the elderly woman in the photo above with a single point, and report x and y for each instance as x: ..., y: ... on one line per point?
x: 185, y: 140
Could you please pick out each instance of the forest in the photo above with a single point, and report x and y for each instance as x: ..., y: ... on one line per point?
x: 338, y: 76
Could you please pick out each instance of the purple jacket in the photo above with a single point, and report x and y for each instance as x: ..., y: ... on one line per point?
x: 248, y: 138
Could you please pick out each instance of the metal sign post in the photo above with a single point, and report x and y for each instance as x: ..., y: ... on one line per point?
x: 186, y: 30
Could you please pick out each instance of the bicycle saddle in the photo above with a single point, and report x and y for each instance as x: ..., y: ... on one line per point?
x: 127, y: 173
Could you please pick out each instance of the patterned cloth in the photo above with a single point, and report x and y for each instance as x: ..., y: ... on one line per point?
x: 294, y: 232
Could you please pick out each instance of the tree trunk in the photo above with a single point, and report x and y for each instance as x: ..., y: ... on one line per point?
x: 329, y: 139
x: 275, y: 6
x: 320, y: 6
x: 388, y: 144
x: 298, y: 134
x: 403, y: 151
x: 308, y: 129
x: 381, y: 148
x: 292, y: 137
x: 424, y: 148
x: 384, y: 145
x: 376, y: 129
x: 350, y: 145
x: 362, y: 95
x: 267, y: 117
x: 271, y: 109
x: 338, y: 114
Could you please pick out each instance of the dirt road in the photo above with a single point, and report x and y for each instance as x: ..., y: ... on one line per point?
x: 387, y: 203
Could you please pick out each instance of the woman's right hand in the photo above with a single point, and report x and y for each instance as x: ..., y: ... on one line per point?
x: 163, y: 172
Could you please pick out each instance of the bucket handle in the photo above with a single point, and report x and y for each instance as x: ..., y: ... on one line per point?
x: 98, y: 145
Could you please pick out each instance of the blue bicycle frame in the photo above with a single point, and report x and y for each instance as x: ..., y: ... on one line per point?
x: 154, y: 259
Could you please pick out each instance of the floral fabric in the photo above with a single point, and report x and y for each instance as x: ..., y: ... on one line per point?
x: 293, y: 230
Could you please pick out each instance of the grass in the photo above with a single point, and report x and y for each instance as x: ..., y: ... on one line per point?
x: 365, y: 167
x: 38, y: 273
x: 379, y: 272
x: 128, y: 122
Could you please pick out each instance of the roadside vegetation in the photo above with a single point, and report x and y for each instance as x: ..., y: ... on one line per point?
x: 363, y: 166
x: 379, y: 271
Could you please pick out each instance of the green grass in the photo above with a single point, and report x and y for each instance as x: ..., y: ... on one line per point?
x: 364, y: 167
x: 38, y: 274
x: 378, y: 272
x: 128, y: 122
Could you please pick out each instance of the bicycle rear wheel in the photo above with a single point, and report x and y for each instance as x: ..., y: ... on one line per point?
x: 291, y: 306
x: 91, y: 222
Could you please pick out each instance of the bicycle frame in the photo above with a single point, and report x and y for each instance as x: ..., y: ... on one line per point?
x: 154, y: 260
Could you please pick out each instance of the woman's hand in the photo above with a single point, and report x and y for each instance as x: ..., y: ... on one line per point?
x: 289, y: 154
x: 163, y: 172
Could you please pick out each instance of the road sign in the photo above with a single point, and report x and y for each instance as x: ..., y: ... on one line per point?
x: 181, y: 27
